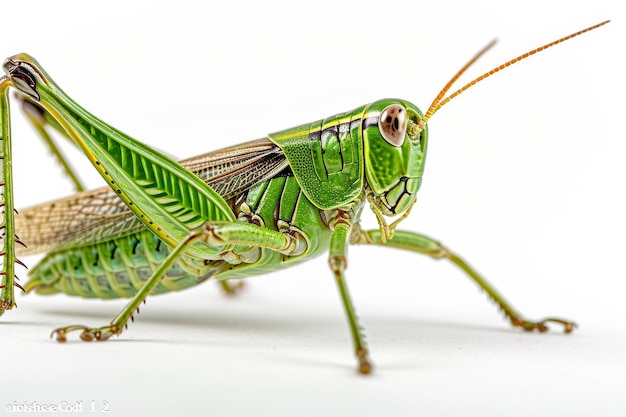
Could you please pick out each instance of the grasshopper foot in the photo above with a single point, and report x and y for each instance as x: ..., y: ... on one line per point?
x: 365, y: 366
x: 529, y: 326
x: 88, y: 334
x: 230, y: 289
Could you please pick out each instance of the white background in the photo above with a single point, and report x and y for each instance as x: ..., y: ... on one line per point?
x: 524, y: 178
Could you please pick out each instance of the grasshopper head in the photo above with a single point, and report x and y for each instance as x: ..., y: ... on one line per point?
x: 395, y: 138
x: 395, y: 152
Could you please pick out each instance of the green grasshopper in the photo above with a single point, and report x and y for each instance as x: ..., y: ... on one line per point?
x: 249, y: 209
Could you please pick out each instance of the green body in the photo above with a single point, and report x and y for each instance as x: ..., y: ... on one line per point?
x: 119, y: 266
x: 326, y: 172
x: 245, y: 210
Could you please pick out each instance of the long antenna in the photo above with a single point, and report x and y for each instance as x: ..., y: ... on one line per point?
x: 440, y: 101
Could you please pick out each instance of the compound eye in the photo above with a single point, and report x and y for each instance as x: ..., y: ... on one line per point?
x: 392, y: 124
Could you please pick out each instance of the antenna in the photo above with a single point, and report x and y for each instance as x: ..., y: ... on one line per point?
x: 440, y: 101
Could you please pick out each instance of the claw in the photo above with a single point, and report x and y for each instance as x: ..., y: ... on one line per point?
x: 529, y: 326
x: 61, y: 333
x: 61, y: 336
x: 88, y: 334
x: 365, y: 366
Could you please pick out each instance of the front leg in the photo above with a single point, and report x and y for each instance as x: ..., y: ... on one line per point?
x: 341, y: 225
x: 427, y: 246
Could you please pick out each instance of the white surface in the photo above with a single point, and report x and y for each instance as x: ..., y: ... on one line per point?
x: 524, y: 179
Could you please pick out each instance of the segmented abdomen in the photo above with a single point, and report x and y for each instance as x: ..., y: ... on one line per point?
x: 116, y: 268
x: 119, y: 267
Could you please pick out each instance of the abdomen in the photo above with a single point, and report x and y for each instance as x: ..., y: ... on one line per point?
x: 119, y: 267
